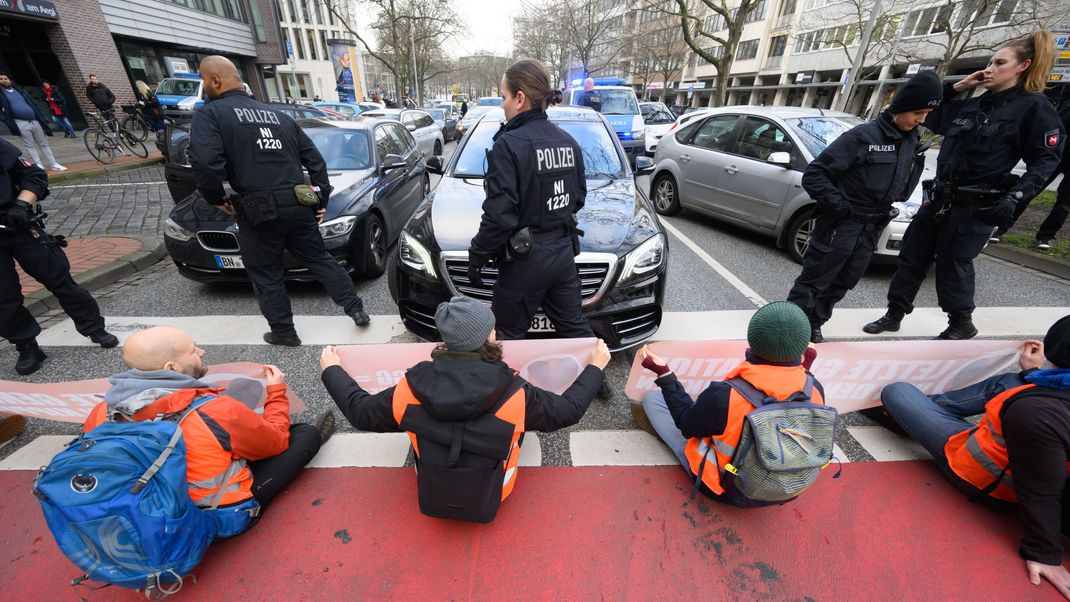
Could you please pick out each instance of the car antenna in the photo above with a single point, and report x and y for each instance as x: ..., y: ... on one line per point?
x: 822, y: 111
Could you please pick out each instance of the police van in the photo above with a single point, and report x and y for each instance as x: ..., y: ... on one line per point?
x: 179, y: 95
x: 614, y: 99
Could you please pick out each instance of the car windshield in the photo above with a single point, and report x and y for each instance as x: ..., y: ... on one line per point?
x: 600, y: 158
x: 392, y: 116
x: 618, y: 102
x: 819, y: 132
x: 490, y: 101
x: 179, y: 87
x: 342, y: 149
x: 657, y: 115
x: 437, y: 113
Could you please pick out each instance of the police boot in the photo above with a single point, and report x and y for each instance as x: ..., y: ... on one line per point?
x: 286, y: 340
x: 360, y: 317
x: 104, y: 338
x: 959, y: 327
x: 30, y: 357
x: 815, y: 335
x: 889, y: 322
x: 605, y: 392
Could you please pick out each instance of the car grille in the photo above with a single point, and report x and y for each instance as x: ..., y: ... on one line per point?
x: 595, y: 269
x: 224, y: 242
x: 639, y: 323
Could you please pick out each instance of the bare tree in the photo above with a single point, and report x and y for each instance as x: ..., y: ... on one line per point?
x: 539, y: 33
x: 593, y: 40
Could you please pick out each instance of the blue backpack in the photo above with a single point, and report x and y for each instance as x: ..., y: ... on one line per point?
x: 117, y: 501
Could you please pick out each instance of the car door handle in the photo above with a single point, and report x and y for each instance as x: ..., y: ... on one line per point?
x: 731, y: 169
x: 685, y: 157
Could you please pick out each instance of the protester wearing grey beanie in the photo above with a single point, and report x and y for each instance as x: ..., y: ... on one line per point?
x: 464, y: 323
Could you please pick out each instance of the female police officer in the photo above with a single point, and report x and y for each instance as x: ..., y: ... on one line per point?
x: 535, y: 184
x: 974, y: 190
x: 855, y: 181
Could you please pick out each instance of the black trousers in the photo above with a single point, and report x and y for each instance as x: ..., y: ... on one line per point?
x: 48, y: 265
x: 952, y: 244
x: 262, y: 248
x: 546, y: 277
x: 838, y: 255
x: 272, y: 475
x: 1059, y: 212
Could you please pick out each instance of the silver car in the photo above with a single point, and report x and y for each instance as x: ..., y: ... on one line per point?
x: 744, y: 165
x: 420, y: 124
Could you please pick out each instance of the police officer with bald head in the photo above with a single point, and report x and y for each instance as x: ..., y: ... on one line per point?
x: 263, y: 154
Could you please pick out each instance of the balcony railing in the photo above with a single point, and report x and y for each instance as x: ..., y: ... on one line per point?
x: 772, y: 62
x: 783, y: 22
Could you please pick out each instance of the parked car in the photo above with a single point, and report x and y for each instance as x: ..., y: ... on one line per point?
x: 445, y: 121
x: 744, y: 165
x: 618, y: 103
x: 378, y: 177
x: 488, y: 101
x: 624, y: 250
x: 420, y: 124
x: 348, y: 109
x: 179, y: 95
x: 658, y: 120
x: 472, y: 117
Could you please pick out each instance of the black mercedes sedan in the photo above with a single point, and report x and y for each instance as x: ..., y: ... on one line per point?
x: 624, y: 250
x: 378, y: 177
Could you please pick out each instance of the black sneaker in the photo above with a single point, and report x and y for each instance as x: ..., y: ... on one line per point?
x: 889, y: 322
x: 287, y: 340
x: 959, y: 328
x: 360, y: 317
x: 31, y: 357
x: 104, y: 338
x: 1044, y: 243
x: 815, y: 335
x: 605, y: 392
x: 325, y: 425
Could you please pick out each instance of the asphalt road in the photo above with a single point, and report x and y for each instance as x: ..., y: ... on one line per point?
x: 693, y: 285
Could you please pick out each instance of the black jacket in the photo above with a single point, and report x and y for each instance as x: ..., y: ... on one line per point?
x: 458, y: 386
x: 9, y: 119
x: 986, y: 136
x: 100, y: 95
x: 238, y: 139
x: 18, y: 174
x: 535, y: 178
x: 868, y: 168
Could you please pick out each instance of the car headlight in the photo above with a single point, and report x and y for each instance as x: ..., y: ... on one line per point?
x: 639, y: 133
x: 906, y: 211
x: 337, y: 227
x: 643, y: 259
x: 188, y: 104
x: 173, y: 230
x: 414, y: 255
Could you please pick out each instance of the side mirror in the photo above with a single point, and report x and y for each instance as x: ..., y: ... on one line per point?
x: 779, y: 158
x: 411, y: 127
x: 644, y: 165
x: 392, y: 162
x: 434, y: 165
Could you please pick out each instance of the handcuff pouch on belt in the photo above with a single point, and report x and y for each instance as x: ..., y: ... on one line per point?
x: 943, y: 195
x: 259, y: 208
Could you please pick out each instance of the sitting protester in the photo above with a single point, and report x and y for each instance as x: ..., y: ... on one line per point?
x: 705, y: 434
x: 465, y: 411
x: 1019, y: 452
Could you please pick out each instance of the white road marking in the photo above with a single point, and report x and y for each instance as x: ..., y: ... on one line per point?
x: 741, y: 286
x: 619, y: 448
x: 107, y: 185
x: 36, y: 453
x: 531, y: 450
x: 886, y: 446
x: 363, y: 449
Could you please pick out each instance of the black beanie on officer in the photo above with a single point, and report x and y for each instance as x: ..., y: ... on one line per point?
x: 923, y: 91
x: 1057, y: 343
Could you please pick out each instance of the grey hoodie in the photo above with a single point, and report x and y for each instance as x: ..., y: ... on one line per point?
x: 134, y: 389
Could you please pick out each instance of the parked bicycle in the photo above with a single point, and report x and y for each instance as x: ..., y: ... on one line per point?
x: 108, y: 139
x: 136, y: 122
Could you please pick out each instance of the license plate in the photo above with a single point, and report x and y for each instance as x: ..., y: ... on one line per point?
x: 229, y: 262
x: 541, y: 324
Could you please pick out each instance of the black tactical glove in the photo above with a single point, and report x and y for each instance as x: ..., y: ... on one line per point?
x: 20, y: 216
x: 1000, y: 214
x: 475, y: 266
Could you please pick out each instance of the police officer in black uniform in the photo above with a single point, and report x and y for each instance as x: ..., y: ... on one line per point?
x: 855, y: 181
x: 535, y: 184
x: 974, y: 191
x: 22, y: 239
x: 261, y: 153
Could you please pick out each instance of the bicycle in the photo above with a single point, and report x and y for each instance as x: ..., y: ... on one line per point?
x: 135, y: 122
x: 109, y: 138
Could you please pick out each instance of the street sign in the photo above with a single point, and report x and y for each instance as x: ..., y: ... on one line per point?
x: 289, y: 49
x: 1060, y: 71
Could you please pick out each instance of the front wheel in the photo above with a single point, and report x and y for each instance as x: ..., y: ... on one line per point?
x: 375, y: 247
x: 438, y: 149
x: 136, y: 146
x: 666, y: 196
x: 136, y: 126
x: 799, y: 232
x: 99, y: 145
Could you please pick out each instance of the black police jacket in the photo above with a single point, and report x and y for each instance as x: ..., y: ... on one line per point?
x: 237, y: 139
x: 986, y: 136
x: 535, y: 178
x: 869, y: 167
x: 17, y: 174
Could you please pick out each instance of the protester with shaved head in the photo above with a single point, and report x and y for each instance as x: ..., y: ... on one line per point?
x: 237, y: 460
x: 263, y: 154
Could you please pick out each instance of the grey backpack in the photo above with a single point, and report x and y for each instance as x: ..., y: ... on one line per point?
x: 784, y: 444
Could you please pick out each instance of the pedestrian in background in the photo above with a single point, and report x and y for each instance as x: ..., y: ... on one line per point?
x: 57, y: 105
x: 855, y: 182
x: 101, y: 97
x: 535, y: 184
x: 464, y: 108
x: 150, y: 106
x: 974, y: 190
x: 27, y: 121
x: 263, y: 154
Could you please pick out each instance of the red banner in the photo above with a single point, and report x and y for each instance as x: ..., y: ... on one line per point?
x: 72, y: 401
x: 852, y: 374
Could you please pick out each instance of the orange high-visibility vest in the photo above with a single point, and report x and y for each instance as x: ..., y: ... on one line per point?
x: 979, y: 455
x: 512, y: 411
x: 779, y: 382
x: 216, y: 477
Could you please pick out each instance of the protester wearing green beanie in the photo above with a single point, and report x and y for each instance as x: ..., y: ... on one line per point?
x: 779, y: 332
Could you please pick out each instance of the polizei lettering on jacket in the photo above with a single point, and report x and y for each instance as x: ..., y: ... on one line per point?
x: 555, y: 158
x: 881, y: 148
x: 257, y: 116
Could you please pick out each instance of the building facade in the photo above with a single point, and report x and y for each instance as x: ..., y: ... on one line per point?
x: 307, y: 72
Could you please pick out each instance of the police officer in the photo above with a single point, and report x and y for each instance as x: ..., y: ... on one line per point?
x: 974, y: 191
x: 22, y: 186
x: 535, y: 184
x: 855, y: 181
x: 261, y: 153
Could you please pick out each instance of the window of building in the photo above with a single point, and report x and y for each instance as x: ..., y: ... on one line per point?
x: 932, y: 20
x: 291, y: 11
x: 747, y: 49
x: 715, y: 51
x: 296, y: 85
x: 714, y: 22
x: 982, y: 13
x: 787, y: 8
x: 317, y: 12
x: 778, y: 45
x: 230, y: 9
x: 326, y: 47
x: 330, y: 16
x: 313, y: 52
x: 756, y: 14
x: 258, y: 22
